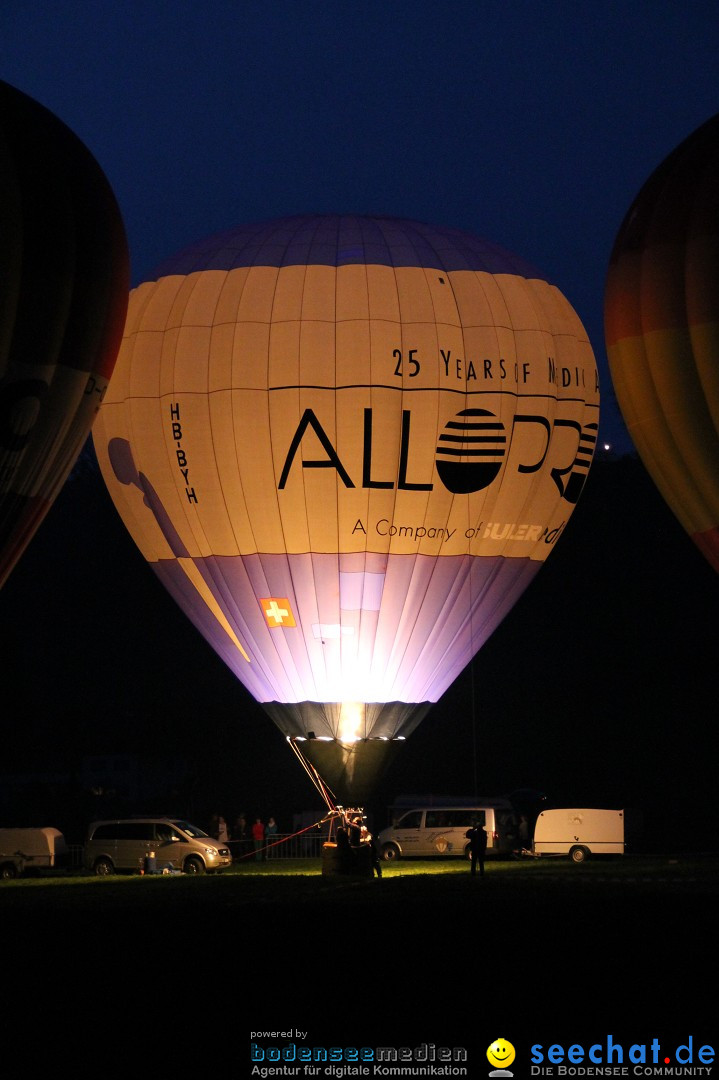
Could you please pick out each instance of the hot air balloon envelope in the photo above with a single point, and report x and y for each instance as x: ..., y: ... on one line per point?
x: 346, y: 445
x: 662, y: 331
x: 63, y: 299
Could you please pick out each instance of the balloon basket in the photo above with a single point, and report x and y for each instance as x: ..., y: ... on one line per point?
x: 338, y: 861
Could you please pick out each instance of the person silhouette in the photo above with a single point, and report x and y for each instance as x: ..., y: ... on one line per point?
x: 374, y: 854
x: 258, y: 838
x: 477, y: 846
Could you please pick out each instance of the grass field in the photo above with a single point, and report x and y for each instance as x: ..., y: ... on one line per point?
x: 632, y: 941
x: 411, y: 881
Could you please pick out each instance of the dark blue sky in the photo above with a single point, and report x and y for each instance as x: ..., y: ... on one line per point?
x: 530, y: 123
x: 533, y: 124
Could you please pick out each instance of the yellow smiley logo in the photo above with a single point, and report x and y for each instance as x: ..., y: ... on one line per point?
x: 500, y: 1053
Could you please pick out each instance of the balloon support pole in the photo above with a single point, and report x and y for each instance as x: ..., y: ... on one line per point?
x: 348, y: 850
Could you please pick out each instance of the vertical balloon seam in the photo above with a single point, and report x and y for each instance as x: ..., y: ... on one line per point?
x: 175, y: 319
x: 381, y: 229
x: 365, y: 627
x: 547, y: 330
x: 702, y: 265
x: 395, y: 659
x: 673, y: 476
x: 688, y: 435
x: 321, y: 620
x: 243, y: 625
x: 656, y: 463
x: 279, y: 644
x: 418, y: 558
x: 492, y: 494
x: 465, y: 567
x: 227, y: 394
x: 499, y: 581
x: 454, y: 596
x: 494, y: 578
x: 199, y: 521
x: 693, y: 415
x: 709, y: 483
x: 475, y: 631
x: 463, y: 572
x: 211, y: 568
x: 299, y: 475
x: 130, y: 347
x: 620, y: 364
x: 555, y: 331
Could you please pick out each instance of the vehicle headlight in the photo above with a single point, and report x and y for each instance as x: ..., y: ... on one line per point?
x: 211, y: 851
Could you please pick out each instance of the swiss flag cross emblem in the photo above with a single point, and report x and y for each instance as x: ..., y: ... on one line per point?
x: 277, y: 611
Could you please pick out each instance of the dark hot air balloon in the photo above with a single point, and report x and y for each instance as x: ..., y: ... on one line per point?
x: 662, y: 331
x: 63, y: 300
x: 346, y: 445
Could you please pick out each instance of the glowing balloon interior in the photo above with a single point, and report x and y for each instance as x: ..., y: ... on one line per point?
x: 63, y: 300
x: 662, y: 331
x: 346, y: 445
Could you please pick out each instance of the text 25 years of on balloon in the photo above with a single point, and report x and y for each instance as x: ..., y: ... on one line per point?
x: 453, y: 368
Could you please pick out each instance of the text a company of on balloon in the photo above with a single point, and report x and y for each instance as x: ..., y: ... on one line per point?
x: 496, y: 446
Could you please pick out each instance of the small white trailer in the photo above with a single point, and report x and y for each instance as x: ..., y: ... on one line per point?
x: 30, y: 849
x: 579, y: 833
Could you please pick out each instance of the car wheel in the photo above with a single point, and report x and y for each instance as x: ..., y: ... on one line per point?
x: 579, y: 854
x: 193, y: 865
x: 8, y: 871
x: 103, y: 868
x: 390, y: 852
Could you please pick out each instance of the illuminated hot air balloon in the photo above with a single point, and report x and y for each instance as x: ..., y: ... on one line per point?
x: 662, y: 331
x: 346, y: 445
x: 63, y: 299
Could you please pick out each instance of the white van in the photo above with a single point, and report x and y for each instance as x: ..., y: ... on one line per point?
x: 440, y: 830
x: 579, y: 833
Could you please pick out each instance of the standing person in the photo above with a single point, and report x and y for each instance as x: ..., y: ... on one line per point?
x: 477, y: 846
x: 270, y: 835
x: 239, y: 836
x: 354, y: 831
x: 221, y: 832
x: 258, y: 838
x: 374, y: 853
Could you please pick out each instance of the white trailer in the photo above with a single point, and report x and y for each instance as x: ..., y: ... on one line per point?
x: 30, y: 849
x: 579, y: 833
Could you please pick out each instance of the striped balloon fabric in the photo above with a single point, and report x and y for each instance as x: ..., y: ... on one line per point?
x: 346, y: 446
x: 662, y: 331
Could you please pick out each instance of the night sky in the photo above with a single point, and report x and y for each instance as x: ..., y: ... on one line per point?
x: 533, y: 125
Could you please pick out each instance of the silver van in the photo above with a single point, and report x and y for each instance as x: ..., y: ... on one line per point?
x: 137, y: 843
x: 440, y: 830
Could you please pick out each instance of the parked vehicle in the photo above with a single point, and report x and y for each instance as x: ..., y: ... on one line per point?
x: 579, y: 833
x: 440, y: 830
x: 23, y: 850
x: 172, y: 845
